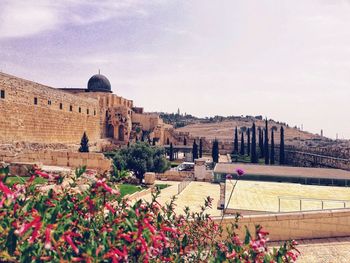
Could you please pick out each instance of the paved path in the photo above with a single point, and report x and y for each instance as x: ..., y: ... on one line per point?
x: 327, y: 250
x: 193, y: 196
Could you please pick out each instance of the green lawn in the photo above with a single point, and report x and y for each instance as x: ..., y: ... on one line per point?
x: 20, y: 180
x: 128, y: 189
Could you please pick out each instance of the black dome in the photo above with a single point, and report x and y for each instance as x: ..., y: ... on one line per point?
x: 99, y: 83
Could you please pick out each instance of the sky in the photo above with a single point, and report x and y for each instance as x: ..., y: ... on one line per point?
x: 288, y: 60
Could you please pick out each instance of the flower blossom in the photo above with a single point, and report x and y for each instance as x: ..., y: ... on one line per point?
x: 239, y: 172
x: 8, y: 193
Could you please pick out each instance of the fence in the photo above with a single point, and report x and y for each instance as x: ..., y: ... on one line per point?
x: 321, y: 202
x: 182, y: 186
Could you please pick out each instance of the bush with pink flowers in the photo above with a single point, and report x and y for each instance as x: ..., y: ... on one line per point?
x: 92, y: 226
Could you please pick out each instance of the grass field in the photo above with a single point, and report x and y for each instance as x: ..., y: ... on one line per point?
x: 128, y: 189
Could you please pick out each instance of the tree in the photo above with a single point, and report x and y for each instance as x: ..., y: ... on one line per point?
x: 141, y: 158
x: 200, y: 148
x: 248, y: 141
x: 266, y: 143
x: 171, y: 152
x: 272, y: 153
x: 215, y: 151
x: 235, y: 142
x: 282, y: 154
x: 254, y: 157
x: 261, y: 143
x: 84, y: 144
x: 185, y: 141
x: 195, y: 150
x: 242, y: 144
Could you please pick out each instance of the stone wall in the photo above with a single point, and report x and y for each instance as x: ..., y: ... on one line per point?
x: 37, y: 113
x: 175, y: 176
x: 61, y: 158
x: 300, y: 225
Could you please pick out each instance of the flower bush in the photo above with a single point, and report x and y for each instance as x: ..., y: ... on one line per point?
x: 62, y: 226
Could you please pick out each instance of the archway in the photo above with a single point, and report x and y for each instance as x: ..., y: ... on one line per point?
x: 110, y: 131
x: 121, y: 133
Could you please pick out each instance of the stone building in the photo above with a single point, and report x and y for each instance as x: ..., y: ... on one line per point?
x: 35, y: 113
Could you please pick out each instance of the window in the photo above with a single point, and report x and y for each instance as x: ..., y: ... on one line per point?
x: 87, y: 111
x: 70, y: 108
x: 79, y: 110
x: 61, y: 106
x: 94, y: 112
x: 2, y: 94
x: 49, y: 102
x: 35, y: 101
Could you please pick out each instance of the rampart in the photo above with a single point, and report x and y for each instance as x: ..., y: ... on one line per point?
x: 33, y: 112
x: 61, y: 158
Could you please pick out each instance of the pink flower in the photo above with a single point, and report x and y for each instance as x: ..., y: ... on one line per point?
x: 69, y: 240
x: 25, y: 227
x: 48, y: 230
x: 229, y: 176
x: 42, y: 174
x: 106, y: 187
x: 110, y: 208
x: 231, y: 255
x: 8, y: 193
x: 239, y: 172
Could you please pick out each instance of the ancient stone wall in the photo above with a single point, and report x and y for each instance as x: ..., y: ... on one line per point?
x: 36, y: 113
x: 61, y: 158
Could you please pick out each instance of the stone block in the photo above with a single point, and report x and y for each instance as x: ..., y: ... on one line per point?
x: 149, y: 178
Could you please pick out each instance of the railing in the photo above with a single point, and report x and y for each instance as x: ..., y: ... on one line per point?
x: 322, y: 202
x: 182, y: 186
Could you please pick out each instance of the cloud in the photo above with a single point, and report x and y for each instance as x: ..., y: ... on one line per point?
x: 22, y: 18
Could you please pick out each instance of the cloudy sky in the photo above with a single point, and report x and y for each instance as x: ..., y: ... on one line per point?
x: 285, y: 59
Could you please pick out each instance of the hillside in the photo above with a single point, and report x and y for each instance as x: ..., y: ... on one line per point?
x: 224, y: 131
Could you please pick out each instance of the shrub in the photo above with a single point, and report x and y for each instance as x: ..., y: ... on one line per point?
x: 91, y: 226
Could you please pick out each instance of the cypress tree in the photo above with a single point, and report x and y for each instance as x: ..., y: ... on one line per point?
x: 200, y: 148
x: 272, y: 154
x: 254, y: 157
x: 235, y: 142
x: 242, y: 144
x: 282, y: 154
x: 171, y: 152
x: 215, y: 151
x: 248, y: 142
x: 266, y: 144
x: 195, y: 150
x: 261, y: 143
x: 84, y: 144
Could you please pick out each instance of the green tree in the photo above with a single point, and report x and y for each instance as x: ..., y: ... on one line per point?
x: 141, y: 158
x: 272, y: 152
x: 248, y: 141
x: 194, y: 150
x: 200, y: 148
x: 261, y: 143
x: 266, y: 143
x: 282, y: 153
x: 242, y: 144
x: 171, y: 152
x: 235, y: 142
x: 215, y: 151
x: 253, y: 157
x: 84, y: 144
